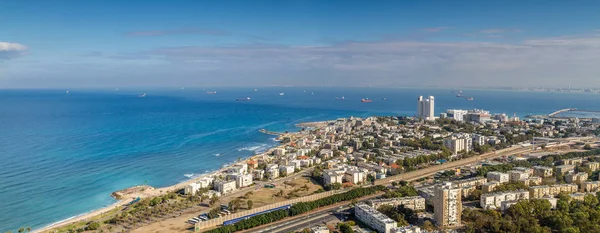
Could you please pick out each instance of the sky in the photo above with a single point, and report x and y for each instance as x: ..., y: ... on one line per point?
x: 177, y: 43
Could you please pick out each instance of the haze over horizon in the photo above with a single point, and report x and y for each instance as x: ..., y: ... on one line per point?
x: 70, y: 44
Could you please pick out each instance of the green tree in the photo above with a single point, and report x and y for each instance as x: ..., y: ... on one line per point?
x: 250, y: 204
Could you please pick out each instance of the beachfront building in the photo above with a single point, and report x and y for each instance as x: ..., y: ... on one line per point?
x: 244, y: 180
x: 426, y: 108
x: 495, y: 200
x: 286, y: 170
x: 191, y: 189
x: 273, y: 171
x: 447, y: 205
x: 501, y: 177
x: 206, y: 182
x: 413, y: 203
x: 238, y: 169
x: 374, y: 218
x: 225, y: 187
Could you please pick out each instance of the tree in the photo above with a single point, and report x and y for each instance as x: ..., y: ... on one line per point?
x: 93, y: 226
x: 250, y: 204
x: 427, y: 225
x: 587, y: 147
x: 345, y: 228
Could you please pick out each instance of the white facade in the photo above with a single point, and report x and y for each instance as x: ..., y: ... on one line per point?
x: 494, y: 200
x: 516, y: 175
x: 426, y: 108
x: 498, y: 176
x: 457, y: 144
x: 288, y: 170
x: 225, y: 187
x: 355, y: 176
x: 319, y: 229
x: 456, y: 114
x: 243, y: 180
x: 414, y: 203
x: 191, y: 189
x: 374, y: 218
x: 330, y: 177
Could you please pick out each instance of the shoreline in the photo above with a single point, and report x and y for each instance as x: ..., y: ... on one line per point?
x: 151, y: 192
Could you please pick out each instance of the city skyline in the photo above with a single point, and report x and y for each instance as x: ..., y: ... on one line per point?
x: 70, y: 44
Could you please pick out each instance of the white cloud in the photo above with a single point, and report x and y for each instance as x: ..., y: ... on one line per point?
x: 11, y: 50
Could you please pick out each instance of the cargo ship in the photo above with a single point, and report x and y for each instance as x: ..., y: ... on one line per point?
x: 243, y: 99
x: 367, y: 100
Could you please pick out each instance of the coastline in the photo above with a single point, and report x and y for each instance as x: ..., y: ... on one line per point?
x: 146, y: 193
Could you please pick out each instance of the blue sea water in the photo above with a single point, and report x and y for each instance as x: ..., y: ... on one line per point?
x: 63, y: 154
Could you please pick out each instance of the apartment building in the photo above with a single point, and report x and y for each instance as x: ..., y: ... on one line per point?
x: 414, y: 203
x: 576, y: 178
x: 501, y: 177
x: 447, y: 205
x: 494, y: 200
x: 542, y: 171
x: 374, y: 218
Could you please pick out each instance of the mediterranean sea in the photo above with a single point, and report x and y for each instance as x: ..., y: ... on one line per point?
x: 63, y: 154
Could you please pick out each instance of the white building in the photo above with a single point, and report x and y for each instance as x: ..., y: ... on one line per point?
x: 498, y: 176
x: 287, y: 170
x: 494, y: 200
x: 425, y: 108
x: 191, y: 189
x: 457, y: 145
x: 279, y: 151
x: 225, y: 187
x: 355, y: 176
x: 479, y: 140
x: 374, y: 218
x: 238, y: 169
x: 332, y: 176
x: 273, y: 172
x: 456, y: 114
x: 205, y: 182
x: 407, y: 229
x: 243, y: 180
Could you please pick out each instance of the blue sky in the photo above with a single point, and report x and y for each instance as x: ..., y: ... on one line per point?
x: 71, y: 43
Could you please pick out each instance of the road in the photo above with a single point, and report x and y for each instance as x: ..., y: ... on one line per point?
x: 313, y: 219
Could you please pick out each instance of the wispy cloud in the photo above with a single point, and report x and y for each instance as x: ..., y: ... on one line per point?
x: 11, y: 50
x: 197, y: 31
x: 435, y: 29
x: 499, y: 30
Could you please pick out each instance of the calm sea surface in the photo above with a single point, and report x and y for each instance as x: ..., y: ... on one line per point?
x: 62, y: 155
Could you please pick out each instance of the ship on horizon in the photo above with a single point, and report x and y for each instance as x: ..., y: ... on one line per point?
x: 281, y: 93
x: 243, y: 99
x: 211, y: 92
x: 367, y: 100
x: 142, y: 95
x: 340, y: 98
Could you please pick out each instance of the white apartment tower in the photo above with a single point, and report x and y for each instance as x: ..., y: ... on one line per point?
x: 447, y: 206
x: 425, y: 108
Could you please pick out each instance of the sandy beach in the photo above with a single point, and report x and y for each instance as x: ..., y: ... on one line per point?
x: 143, y: 193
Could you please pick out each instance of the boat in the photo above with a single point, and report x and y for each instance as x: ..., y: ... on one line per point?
x: 243, y: 99
x: 367, y: 100
x: 255, y: 89
x: 383, y: 98
x: 142, y: 95
x: 281, y: 93
x: 458, y: 95
x: 211, y: 92
x: 340, y: 98
x: 470, y: 98
x: 67, y: 92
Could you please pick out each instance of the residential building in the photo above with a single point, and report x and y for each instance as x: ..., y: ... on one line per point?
x: 414, y: 203
x: 374, y: 218
x: 593, y: 166
x: 577, y: 196
x: 258, y: 174
x: 407, y: 229
x: 576, y: 178
x: 332, y: 176
x: 456, y: 114
x: 457, y: 145
x: 447, y: 205
x: 516, y: 175
x: 225, y: 187
x: 534, y: 180
x: 552, y: 190
x: 479, y: 139
x: 501, y: 177
x: 590, y: 186
x: 489, y: 186
x: 243, y: 180
x: 525, y: 169
x: 355, y: 176
x: 494, y: 200
x: 273, y: 172
x: 564, y: 169
x: 574, y: 161
x: 475, y: 181
x: 287, y: 170
x: 426, y: 108
x: 238, y: 169
x: 191, y: 189
x: 279, y: 151
x: 542, y: 171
